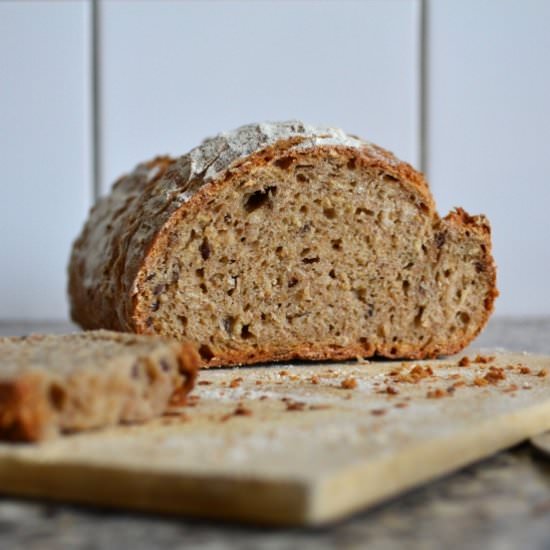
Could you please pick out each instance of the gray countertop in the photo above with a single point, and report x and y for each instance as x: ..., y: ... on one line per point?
x: 500, y: 503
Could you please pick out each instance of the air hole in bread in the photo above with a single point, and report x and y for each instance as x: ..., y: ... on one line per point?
x: 259, y: 198
x: 206, y: 352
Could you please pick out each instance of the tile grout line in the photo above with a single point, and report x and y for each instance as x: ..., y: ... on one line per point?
x: 96, y: 103
x: 423, y: 70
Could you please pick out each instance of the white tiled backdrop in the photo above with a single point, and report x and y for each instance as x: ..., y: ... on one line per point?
x: 460, y: 86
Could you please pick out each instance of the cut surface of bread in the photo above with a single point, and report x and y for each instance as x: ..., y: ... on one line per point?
x: 279, y: 241
x: 66, y: 383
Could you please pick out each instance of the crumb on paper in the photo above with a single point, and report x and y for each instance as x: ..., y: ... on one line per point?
x: 204, y: 382
x: 542, y: 373
x: 524, y: 370
x: 319, y: 407
x: 390, y: 390
x: 349, y: 383
x: 314, y: 379
x: 480, y: 381
x: 464, y: 362
x: 378, y: 412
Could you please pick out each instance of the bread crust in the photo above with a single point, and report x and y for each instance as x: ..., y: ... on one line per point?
x: 131, y: 226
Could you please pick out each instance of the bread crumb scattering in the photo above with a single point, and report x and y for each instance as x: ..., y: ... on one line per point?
x: 390, y: 390
x: 479, y: 381
x: 259, y: 382
x: 378, y: 412
x: 542, y: 373
x: 204, y: 383
x: 283, y: 373
x: 349, y: 383
x: 416, y: 374
x: 401, y: 405
x: 510, y: 388
x: 464, y: 362
x: 319, y: 407
x: 314, y: 379
x: 484, y: 359
x: 524, y: 370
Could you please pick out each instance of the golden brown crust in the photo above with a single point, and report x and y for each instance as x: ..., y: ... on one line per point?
x: 131, y: 257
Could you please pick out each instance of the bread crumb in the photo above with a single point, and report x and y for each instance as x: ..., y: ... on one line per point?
x: 484, y: 359
x: 349, y: 383
x: 295, y: 406
x: 401, y: 405
x: 495, y: 375
x: 378, y: 412
x: 319, y: 407
x: 294, y: 377
x: 236, y: 382
x: 259, y: 382
x: 314, y: 379
x: 390, y: 390
x: 438, y: 393
x: 204, y: 382
x: 479, y: 381
x: 464, y: 362
x: 542, y: 373
x: 241, y: 410
x: 416, y: 374
x: 524, y: 370
x: 283, y: 373
x: 510, y: 388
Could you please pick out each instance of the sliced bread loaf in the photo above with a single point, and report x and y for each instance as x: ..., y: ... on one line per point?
x: 280, y: 241
x: 67, y: 383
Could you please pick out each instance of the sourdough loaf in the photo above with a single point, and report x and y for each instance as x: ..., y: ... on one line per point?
x: 66, y: 383
x: 280, y: 241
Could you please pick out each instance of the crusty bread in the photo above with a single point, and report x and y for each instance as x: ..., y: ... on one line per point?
x: 66, y: 383
x: 280, y: 241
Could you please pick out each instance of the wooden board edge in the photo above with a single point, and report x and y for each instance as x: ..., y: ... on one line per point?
x: 342, y: 494
x: 274, y: 503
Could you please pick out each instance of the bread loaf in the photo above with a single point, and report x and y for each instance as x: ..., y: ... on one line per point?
x: 67, y: 383
x: 279, y: 241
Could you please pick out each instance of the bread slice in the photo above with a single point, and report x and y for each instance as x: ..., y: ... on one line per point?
x: 280, y: 241
x: 67, y: 383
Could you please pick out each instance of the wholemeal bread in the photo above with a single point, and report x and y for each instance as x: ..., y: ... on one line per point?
x: 280, y: 241
x: 66, y: 383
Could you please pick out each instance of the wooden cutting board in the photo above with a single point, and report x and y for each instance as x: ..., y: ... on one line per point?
x: 295, y: 445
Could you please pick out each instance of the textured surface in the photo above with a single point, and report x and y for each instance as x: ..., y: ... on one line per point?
x: 299, y: 445
x: 500, y: 503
